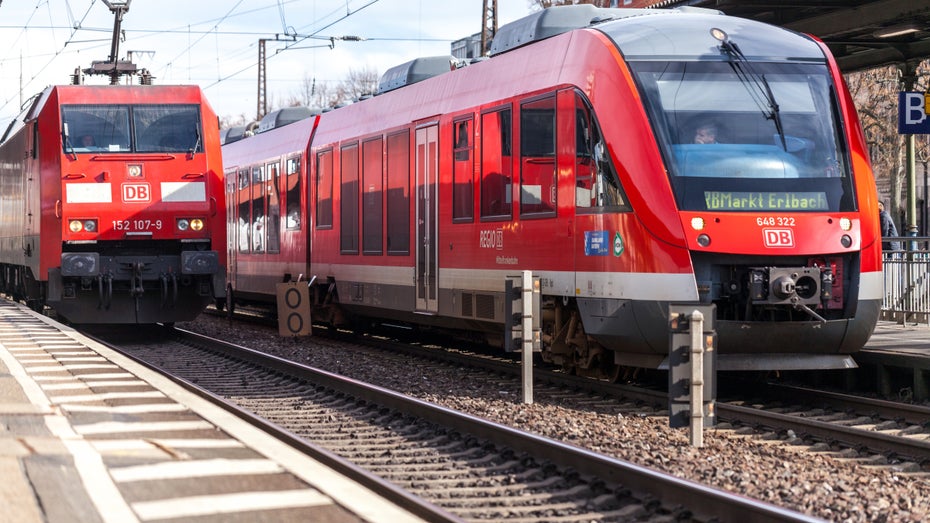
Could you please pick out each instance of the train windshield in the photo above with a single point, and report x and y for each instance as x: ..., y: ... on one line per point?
x: 173, y: 128
x: 761, y: 137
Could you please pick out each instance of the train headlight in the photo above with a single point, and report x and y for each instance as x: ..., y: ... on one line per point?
x: 196, y: 224
x: 703, y: 240
x: 846, y: 241
x: 697, y: 223
x: 134, y: 171
x: 845, y: 224
x: 183, y: 224
x: 82, y: 225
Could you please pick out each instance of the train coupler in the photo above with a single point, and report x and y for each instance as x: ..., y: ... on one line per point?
x: 135, y: 281
x: 105, y: 291
x: 169, y: 289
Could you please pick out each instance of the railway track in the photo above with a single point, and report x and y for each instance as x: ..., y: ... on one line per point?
x: 883, y: 433
x: 472, y: 468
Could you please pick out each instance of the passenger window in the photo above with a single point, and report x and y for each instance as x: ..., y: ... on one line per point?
x: 348, y: 200
x: 245, y: 211
x: 537, y: 157
x: 258, y: 209
x: 597, y: 186
x: 292, y: 194
x: 496, y: 165
x: 463, y: 173
x: 324, y: 189
x: 372, y: 199
x: 273, y: 225
x: 398, y: 193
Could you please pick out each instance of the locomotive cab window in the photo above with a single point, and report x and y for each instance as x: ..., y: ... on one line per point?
x: 139, y: 128
x: 777, y: 145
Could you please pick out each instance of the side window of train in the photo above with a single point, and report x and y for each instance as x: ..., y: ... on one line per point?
x: 597, y: 186
x: 463, y: 172
x: 372, y: 195
x: 273, y: 199
x: 398, y: 193
x: 348, y: 199
x: 537, y: 157
x: 259, y: 213
x: 324, y: 189
x: 292, y: 194
x: 244, y: 221
x: 496, y: 165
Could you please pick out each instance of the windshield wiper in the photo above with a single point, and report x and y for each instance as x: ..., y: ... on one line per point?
x: 69, y: 147
x: 762, y: 95
x: 190, y: 153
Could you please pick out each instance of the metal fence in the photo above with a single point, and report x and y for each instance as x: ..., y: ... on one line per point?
x: 907, y: 281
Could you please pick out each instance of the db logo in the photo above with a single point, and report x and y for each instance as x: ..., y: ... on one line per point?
x: 137, y: 192
x: 778, y: 237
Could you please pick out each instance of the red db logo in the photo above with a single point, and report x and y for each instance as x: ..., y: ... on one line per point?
x: 778, y: 237
x: 136, y: 192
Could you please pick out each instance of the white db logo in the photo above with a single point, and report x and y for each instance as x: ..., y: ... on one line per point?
x: 137, y: 192
x: 778, y: 237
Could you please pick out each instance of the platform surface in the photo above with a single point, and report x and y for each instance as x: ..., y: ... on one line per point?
x: 88, y: 435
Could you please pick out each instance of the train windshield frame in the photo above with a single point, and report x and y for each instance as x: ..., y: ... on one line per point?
x: 778, y: 144
x: 139, y: 128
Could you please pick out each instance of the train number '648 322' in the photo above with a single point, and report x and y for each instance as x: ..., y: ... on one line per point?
x: 780, y: 221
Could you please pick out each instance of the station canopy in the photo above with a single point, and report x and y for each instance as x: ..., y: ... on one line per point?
x: 862, y: 34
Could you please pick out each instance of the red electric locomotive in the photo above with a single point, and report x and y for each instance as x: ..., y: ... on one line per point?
x: 581, y: 150
x: 113, y: 204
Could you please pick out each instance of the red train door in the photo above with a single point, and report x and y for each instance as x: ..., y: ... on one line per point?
x: 427, y: 170
x: 232, y: 230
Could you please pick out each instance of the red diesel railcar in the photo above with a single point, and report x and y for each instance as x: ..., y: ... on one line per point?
x: 113, y: 204
x: 572, y: 152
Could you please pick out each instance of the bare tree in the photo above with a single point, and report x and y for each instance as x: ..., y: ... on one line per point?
x: 875, y: 93
x: 358, y: 83
x: 313, y: 93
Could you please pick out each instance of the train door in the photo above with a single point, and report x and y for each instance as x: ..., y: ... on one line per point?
x: 232, y: 230
x: 30, y: 195
x: 427, y: 172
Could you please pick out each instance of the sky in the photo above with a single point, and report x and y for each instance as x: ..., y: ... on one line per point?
x: 214, y: 44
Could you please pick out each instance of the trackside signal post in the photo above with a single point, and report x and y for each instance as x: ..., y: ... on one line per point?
x: 692, y: 373
x: 522, y: 323
x: 293, y: 299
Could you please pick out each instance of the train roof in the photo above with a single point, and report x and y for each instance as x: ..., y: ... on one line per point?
x: 284, y: 116
x: 642, y: 33
x: 414, y: 71
x: 263, y: 146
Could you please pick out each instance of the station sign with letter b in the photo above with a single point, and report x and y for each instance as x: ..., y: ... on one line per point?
x: 913, y: 109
